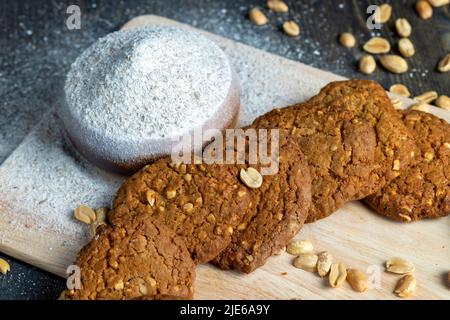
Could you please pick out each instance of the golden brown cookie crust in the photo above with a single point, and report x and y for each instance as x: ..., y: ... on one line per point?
x: 139, y: 260
x: 351, y: 136
x: 282, y: 204
x: 423, y: 190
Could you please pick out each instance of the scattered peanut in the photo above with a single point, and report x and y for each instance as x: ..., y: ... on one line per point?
x: 394, y: 63
x: 307, y: 262
x: 257, y: 17
x: 277, y: 6
x: 384, y: 13
x: 4, y: 266
x: 443, y: 102
x: 444, y: 64
x: 297, y: 247
x: 396, y: 103
x: 100, y: 214
x: 399, y: 266
x: 427, y: 97
x: 251, y: 178
x: 406, y: 48
x: 280, y: 251
x: 403, y: 27
x: 420, y: 107
x: 291, y: 28
x: 324, y: 262
x: 377, y: 45
x: 406, y: 286
x: 424, y: 10
x: 400, y: 89
x: 357, y: 280
x: 338, y: 274
x: 100, y: 219
x: 367, y: 64
x: 438, y: 3
x: 347, y: 40
x: 84, y: 214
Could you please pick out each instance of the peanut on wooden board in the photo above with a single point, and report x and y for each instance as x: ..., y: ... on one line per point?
x: 399, y: 266
x: 400, y: 89
x: 325, y: 259
x: 337, y: 275
x: 443, y: 102
x: 297, y: 247
x: 427, y: 97
x: 307, y: 262
x: 357, y: 280
x: 406, y: 286
x: 420, y: 107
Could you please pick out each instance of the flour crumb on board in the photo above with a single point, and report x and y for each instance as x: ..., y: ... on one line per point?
x: 44, y: 167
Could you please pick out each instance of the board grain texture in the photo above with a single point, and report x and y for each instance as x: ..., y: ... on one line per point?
x: 32, y: 232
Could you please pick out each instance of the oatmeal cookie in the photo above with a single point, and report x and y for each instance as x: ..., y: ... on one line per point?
x: 353, y: 139
x: 139, y: 260
x: 423, y: 190
x: 282, y: 204
x: 203, y: 203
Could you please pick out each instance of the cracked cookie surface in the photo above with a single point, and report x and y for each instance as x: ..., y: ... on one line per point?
x: 281, y: 207
x: 353, y: 139
x: 422, y: 190
x: 139, y: 260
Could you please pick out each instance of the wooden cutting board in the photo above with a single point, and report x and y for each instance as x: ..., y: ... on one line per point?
x: 44, y: 179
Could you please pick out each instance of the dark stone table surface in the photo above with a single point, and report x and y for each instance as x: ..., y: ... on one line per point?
x: 36, y: 49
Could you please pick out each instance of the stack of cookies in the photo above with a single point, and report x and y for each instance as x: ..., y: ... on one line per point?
x: 346, y: 143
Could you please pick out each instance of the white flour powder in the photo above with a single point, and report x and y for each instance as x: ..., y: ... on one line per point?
x: 147, y: 83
